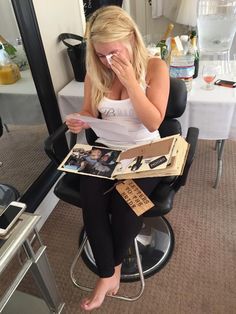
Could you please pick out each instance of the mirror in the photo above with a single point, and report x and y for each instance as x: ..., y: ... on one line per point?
x: 24, y: 128
x: 26, y: 116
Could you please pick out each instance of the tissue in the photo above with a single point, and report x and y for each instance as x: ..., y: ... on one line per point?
x: 109, y: 58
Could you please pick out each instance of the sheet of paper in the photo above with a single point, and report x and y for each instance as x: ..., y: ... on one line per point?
x: 105, y: 129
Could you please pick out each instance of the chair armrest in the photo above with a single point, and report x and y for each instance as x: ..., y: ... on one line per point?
x: 51, y: 140
x: 90, y: 136
x: 60, y: 132
x: 192, y: 139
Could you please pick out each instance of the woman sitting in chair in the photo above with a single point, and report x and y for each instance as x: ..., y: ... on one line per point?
x: 125, y: 84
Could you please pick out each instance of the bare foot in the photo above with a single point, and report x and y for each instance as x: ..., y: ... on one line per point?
x: 104, y: 286
x: 117, y: 275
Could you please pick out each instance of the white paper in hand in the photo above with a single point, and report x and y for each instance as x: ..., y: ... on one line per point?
x: 108, y: 129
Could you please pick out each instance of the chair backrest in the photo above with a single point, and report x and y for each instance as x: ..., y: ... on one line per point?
x: 177, y: 99
x: 175, y: 108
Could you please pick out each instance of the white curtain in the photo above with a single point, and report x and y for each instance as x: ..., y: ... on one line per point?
x: 180, y: 11
x: 168, y: 8
x: 157, y: 8
x: 187, y: 12
x: 126, y: 5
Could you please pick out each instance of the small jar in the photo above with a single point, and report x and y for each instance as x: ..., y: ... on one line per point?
x: 9, y: 72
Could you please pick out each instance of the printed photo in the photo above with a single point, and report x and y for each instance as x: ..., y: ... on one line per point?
x: 97, y: 161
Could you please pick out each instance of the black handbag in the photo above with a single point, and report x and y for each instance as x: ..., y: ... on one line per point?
x: 77, y: 54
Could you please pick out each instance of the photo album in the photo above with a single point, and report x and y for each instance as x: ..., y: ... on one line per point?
x: 162, y: 157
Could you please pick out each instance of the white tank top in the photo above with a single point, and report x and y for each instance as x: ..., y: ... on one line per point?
x: 122, y: 111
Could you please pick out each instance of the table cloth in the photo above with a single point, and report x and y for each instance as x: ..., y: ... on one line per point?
x: 19, y: 103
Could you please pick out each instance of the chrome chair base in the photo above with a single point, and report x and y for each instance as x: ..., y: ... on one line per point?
x: 152, y: 249
x: 155, y: 245
x: 7, y: 194
x: 85, y: 288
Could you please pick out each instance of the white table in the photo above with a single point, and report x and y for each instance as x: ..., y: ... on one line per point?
x: 213, y: 112
x: 20, y: 103
x: 70, y: 98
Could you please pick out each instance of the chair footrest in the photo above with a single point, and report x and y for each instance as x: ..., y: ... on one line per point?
x: 85, y: 288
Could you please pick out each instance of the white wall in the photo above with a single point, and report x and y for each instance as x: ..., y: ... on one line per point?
x: 8, y: 26
x: 56, y: 17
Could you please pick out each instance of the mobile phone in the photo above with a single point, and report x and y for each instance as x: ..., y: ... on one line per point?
x: 10, y: 215
x: 225, y: 83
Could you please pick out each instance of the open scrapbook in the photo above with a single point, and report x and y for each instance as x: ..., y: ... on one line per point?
x: 162, y: 157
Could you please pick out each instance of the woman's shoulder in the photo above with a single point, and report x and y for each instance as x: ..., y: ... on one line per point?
x: 155, y: 62
x: 155, y: 66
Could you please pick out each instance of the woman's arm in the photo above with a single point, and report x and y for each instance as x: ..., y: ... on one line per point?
x: 86, y: 108
x: 75, y: 125
x: 149, y: 107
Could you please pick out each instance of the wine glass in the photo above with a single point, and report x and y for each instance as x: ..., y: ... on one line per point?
x: 209, y: 73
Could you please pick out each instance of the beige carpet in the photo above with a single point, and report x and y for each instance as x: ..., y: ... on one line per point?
x: 20, y: 166
x: 200, y: 277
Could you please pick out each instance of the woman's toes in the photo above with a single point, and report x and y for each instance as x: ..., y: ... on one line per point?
x: 113, y: 291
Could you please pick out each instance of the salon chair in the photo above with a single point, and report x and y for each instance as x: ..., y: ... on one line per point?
x: 154, y: 244
x: 7, y: 192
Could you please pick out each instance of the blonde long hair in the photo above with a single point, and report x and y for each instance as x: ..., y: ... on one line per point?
x: 108, y: 24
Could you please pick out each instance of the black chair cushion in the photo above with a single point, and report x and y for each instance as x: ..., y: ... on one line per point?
x: 67, y: 189
x: 162, y: 197
x: 170, y: 127
x: 177, y: 99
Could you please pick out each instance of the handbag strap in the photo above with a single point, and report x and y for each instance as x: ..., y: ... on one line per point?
x: 62, y: 37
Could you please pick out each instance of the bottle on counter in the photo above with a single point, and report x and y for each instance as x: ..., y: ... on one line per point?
x: 162, y: 43
x: 185, y: 43
x: 9, y: 71
x: 181, y: 65
x: 10, y: 49
x: 20, y: 56
x: 193, y: 48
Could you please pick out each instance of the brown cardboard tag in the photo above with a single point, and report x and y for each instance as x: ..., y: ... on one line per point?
x: 134, y: 196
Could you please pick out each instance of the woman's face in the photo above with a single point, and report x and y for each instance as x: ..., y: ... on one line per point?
x: 115, y: 47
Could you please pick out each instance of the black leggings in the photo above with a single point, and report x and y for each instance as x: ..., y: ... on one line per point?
x: 111, y: 225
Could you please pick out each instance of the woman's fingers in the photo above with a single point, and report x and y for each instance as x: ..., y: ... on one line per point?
x: 121, y: 59
x: 76, y: 125
x: 116, y: 67
x: 74, y: 128
x: 123, y: 69
x: 119, y: 65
